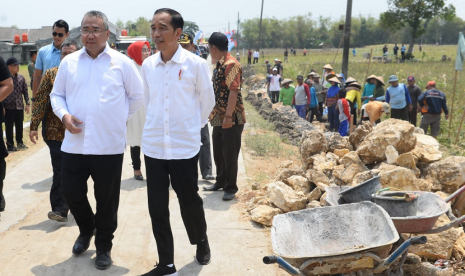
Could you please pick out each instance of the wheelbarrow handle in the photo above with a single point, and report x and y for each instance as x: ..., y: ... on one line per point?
x: 399, y: 251
x: 282, y: 263
x: 446, y: 227
x: 455, y: 194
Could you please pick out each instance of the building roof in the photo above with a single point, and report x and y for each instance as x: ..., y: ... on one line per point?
x: 8, y: 34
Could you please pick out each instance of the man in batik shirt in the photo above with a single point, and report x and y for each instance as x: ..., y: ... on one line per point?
x: 227, y: 117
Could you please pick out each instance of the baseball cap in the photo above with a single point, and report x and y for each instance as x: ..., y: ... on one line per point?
x: 12, y: 61
x: 431, y: 83
x: 219, y: 40
x: 411, y: 78
x: 185, y: 39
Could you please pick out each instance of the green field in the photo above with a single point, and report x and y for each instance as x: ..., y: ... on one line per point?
x: 429, y: 67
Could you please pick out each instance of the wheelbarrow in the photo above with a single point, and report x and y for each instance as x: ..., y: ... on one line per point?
x: 337, y: 239
x: 430, y: 207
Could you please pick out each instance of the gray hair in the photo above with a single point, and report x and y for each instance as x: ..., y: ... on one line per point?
x: 71, y: 42
x: 97, y: 14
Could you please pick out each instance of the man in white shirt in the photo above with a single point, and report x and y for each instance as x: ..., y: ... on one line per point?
x: 95, y: 92
x: 179, y: 98
x: 256, y: 55
x: 273, y: 84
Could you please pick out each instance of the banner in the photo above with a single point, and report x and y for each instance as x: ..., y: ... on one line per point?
x: 460, y: 53
x: 197, y: 36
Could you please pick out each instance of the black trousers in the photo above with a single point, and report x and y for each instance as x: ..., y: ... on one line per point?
x: 353, y: 111
x: 412, y: 116
x: 14, y: 117
x: 135, y: 157
x: 105, y: 171
x: 205, y: 155
x: 312, y: 113
x: 183, y: 176
x: 255, y: 60
x: 57, y: 200
x: 320, y: 107
x: 274, y: 96
x: 401, y: 114
x: 226, y: 148
x: 3, y: 154
x: 249, y: 60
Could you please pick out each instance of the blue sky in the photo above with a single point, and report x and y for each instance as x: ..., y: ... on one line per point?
x: 210, y: 15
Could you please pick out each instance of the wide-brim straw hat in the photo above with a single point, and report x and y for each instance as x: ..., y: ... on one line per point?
x: 316, y: 75
x: 334, y: 79
x: 328, y: 66
x: 371, y: 77
x: 355, y: 84
x: 380, y: 79
x: 330, y: 76
x: 311, y: 74
x: 350, y: 80
x: 286, y: 81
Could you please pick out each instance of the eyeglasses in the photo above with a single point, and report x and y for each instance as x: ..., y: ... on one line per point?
x: 58, y: 34
x: 96, y: 32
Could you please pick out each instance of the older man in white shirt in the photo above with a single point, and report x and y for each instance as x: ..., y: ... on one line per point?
x: 179, y: 96
x: 95, y: 92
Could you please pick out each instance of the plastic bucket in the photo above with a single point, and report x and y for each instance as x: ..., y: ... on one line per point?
x: 395, y: 205
x: 362, y: 191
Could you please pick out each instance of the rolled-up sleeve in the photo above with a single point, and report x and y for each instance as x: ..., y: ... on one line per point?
x: 58, y: 95
x: 134, y: 88
x: 204, y: 89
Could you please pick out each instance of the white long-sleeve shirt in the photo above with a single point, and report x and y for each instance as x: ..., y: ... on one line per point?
x: 102, y: 93
x: 179, y: 98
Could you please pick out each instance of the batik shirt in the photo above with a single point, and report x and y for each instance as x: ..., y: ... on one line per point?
x: 227, y: 77
x: 15, y: 99
x: 54, y: 128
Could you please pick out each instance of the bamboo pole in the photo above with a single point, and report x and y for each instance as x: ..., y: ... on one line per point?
x: 452, y: 107
x: 369, y: 61
x: 337, y: 52
x: 460, y: 127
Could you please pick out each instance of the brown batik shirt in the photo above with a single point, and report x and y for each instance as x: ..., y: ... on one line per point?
x: 226, y: 77
x: 54, y: 129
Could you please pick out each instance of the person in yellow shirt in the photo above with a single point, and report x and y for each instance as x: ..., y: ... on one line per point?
x: 354, y: 97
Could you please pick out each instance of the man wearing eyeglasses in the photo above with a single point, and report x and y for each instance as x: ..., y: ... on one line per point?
x: 95, y: 92
x: 49, y: 56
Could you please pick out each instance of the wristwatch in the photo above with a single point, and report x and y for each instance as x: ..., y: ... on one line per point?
x: 32, y: 99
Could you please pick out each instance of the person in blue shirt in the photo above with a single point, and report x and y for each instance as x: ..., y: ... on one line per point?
x: 402, y: 51
x: 398, y: 97
x: 433, y: 103
x: 313, y: 106
x: 49, y: 56
x: 354, y: 52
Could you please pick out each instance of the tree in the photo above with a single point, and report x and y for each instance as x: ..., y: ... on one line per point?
x: 190, y: 28
x: 120, y: 24
x: 416, y: 14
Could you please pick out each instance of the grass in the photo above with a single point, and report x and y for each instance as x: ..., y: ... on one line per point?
x: 23, y: 71
x: 431, y: 68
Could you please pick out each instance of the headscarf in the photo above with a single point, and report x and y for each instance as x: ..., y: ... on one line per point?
x: 135, y: 51
x: 333, y: 90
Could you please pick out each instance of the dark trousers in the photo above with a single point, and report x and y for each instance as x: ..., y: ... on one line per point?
x: 274, y: 96
x: 255, y: 60
x: 333, y: 117
x: 183, y: 175
x: 412, y: 116
x: 205, y: 155
x: 401, y: 114
x: 105, y: 171
x: 314, y: 112
x: 249, y: 60
x: 3, y: 154
x: 135, y: 157
x: 14, y: 117
x: 353, y: 111
x: 226, y: 148
x: 57, y: 201
x: 320, y: 108
x: 403, y: 55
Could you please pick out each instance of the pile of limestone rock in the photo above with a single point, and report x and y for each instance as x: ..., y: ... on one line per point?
x: 400, y: 154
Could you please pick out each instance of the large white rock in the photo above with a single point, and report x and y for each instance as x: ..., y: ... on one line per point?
x: 426, y: 149
x: 312, y: 142
x: 299, y: 184
x: 391, y: 154
x: 447, y: 175
x: 398, y: 177
x: 264, y: 214
x: 285, y: 198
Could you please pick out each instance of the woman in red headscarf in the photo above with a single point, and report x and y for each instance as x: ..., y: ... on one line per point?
x: 138, y: 52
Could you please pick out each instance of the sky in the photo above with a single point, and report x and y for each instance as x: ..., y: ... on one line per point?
x: 210, y: 15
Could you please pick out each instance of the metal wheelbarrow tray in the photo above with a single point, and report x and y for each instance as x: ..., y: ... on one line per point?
x: 332, y: 240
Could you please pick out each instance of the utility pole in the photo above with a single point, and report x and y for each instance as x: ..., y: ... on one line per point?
x: 347, y: 27
x: 237, y: 32
x: 260, y: 31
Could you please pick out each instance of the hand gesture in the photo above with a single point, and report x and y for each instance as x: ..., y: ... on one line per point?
x: 34, y: 136
x: 70, y: 122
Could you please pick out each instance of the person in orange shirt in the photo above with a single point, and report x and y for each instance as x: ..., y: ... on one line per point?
x: 375, y: 109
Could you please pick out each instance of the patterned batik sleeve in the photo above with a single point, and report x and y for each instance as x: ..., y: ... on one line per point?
x: 233, y: 76
x: 40, y: 105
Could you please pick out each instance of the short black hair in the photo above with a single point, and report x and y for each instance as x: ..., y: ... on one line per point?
x: 32, y: 53
x: 219, y: 40
x: 176, y: 19
x: 61, y: 24
x: 342, y: 93
x: 71, y: 42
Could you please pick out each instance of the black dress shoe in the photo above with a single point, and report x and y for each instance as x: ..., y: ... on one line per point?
x: 202, y: 255
x: 103, y: 260
x: 228, y: 196
x: 139, y: 177
x: 214, y: 187
x: 2, y: 204
x: 209, y: 177
x: 81, y: 244
x: 55, y: 215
